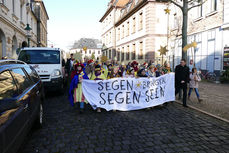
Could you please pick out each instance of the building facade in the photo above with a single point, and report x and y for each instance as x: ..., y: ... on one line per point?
x: 42, y: 18
x: 88, y: 53
x: 206, y: 26
x: 14, y: 17
x: 108, y: 27
x: 87, y: 48
x: 139, y: 31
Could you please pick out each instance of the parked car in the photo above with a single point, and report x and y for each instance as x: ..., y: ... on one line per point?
x: 48, y: 62
x: 21, y: 103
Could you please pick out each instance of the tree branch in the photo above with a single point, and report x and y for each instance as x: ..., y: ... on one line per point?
x: 197, y: 5
x: 175, y: 3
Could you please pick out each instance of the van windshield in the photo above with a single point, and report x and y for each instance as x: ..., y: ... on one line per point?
x: 40, y: 56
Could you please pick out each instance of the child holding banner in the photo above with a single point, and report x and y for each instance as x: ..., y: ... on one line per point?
x: 75, y: 91
x: 115, y: 73
x: 98, y: 75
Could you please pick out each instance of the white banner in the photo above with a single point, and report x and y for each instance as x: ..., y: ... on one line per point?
x: 126, y: 94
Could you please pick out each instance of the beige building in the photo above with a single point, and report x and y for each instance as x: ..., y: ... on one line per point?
x: 108, y: 27
x: 205, y: 26
x: 14, y: 16
x: 42, y: 18
x: 140, y: 28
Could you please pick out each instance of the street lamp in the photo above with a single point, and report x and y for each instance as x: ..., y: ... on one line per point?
x: 28, y: 29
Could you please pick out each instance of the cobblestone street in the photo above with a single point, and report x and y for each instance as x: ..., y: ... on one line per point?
x: 215, y: 99
x: 161, y: 129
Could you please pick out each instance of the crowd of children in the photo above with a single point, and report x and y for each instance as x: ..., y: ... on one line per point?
x: 102, y: 71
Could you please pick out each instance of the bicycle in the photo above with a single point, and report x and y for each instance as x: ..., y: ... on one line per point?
x: 210, y: 76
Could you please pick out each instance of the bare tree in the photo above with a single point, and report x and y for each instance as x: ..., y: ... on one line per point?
x: 186, y: 6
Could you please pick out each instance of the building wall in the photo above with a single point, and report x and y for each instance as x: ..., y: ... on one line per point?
x: 88, y: 52
x: 43, y: 26
x: 150, y: 30
x: 203, y: 28
x: 12, y: 24
x: 108, y: 32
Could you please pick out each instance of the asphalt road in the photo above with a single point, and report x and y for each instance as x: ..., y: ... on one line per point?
x: 162, y: 129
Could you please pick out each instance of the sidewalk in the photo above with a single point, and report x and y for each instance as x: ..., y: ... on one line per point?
x: 215, y: 99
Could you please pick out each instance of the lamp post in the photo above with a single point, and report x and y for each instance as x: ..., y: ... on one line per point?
x: 28, y: 29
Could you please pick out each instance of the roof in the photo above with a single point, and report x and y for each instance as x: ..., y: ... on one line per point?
x: 112, y: 4
x: 121, y: 3
x: 87, y: 42
x: 39, y: 48
x: 132, y: 7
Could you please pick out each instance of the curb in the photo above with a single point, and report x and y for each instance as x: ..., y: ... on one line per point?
x: 204, y: 112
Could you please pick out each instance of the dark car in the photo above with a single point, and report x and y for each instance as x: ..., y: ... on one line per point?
x: 21, y: 100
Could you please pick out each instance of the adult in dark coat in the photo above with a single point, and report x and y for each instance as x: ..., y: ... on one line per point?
x: 182, y: 79
x: 69, y: 65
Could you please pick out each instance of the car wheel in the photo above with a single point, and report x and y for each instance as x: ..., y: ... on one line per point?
x: 39, y: 119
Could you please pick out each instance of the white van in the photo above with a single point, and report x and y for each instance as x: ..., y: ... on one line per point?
x: 48, y: 64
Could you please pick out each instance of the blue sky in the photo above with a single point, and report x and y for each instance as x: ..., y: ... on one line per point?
x: 71, y: 20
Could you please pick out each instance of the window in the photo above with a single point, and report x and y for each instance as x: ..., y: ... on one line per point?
x: 32, y: 26
x: 118, y: 58
x: 40, y: 56
x: 212, y: 5
x: 110, y: 37
x: 128, y: 53
x: 211, y: 35
x: 134, y: 26
x: 21, y: 12
x: 140, y: 55
x: 8, y: 88
x: 123, y: 31
x: 106, y: 38
x: 198, y: 38
x: 200, y: 10
x: 110, y: 19
x: 175, y: 24
x: 89, y: 51
x: 110, y: 54
x: 128, y: 29
x: 118, y: 33
x: 133, y: 52
x: 13, y: 6
x: 98, y: 52
x: 140, y: 21
x: 122, y: 54
x: 33, y: 74
x: 22, y: 80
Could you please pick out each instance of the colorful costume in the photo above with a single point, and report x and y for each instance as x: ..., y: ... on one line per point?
x: 98, y: 75
x: 75, y: 91
x: 134, y: 65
